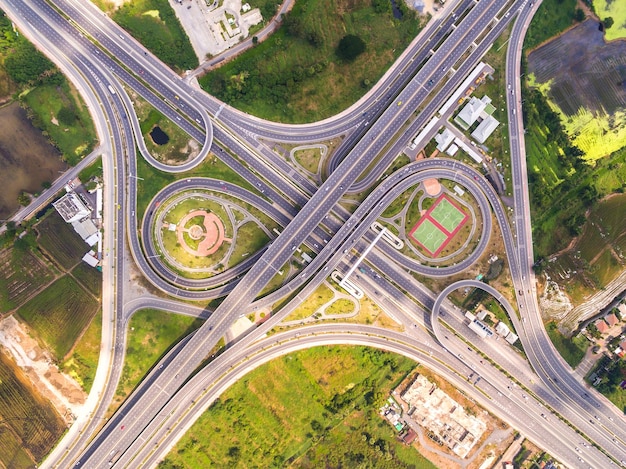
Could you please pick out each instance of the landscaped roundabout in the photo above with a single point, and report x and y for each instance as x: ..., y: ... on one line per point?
x: 199, y: 233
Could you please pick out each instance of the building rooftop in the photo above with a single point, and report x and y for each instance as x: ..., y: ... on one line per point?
x: 502, y: 329
x: 444, y: 139
x: 71, y: 208
x: 471, y: 111
x: 611, y: 320
x: 602, y: 326
x: 485, y: 129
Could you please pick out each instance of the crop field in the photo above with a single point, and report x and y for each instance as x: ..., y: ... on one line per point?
x: 611, y: 8
x: 261, y: 422
x: 60, y: 240
x: 89, y: 278
x: 59, y: 314
x: 21, y: 274
x: 30, y: 423
x: 582, y: 77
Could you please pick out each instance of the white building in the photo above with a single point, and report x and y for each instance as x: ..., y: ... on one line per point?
x: 502, y: 329
x: 471, y: 112
x: 444, y: 139
x: 71, y: 208
x: 485, y: 129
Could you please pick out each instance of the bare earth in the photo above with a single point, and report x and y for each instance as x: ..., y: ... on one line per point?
x: 64, y: 392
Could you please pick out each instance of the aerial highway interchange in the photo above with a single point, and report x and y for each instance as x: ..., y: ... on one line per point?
x: 95, y: 53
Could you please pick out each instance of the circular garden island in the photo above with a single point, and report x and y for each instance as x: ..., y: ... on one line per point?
x: 199, y: 234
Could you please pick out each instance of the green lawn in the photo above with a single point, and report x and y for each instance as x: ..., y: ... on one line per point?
x: 151, y: 333
x: 154, y: 24
x: 83, y: 362
x: 571, y: 349
x: 60, y: 112
x: 59, y: 314
x: 154, y: 180
x: 261, y: 422
x: 250, y: 238
x: 295, y: 75
x: 429, y: 236
x: 553, y: 17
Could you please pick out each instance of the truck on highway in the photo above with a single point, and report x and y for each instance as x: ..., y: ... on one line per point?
x: 111, y: 89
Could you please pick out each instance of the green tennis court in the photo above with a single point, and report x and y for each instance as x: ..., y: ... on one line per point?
x: 447, y: 215
x: 429, y: 236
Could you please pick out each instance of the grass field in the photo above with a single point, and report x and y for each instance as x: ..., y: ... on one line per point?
x: 154, y: 24
x: 75, y: 138
x: 296, y: 76
x: 615, y: 10
x: 154, y: 180
x: 429, y: 236
x: 21, y: 274
x: 341, y: 306
x: 59, y: 314
x: 553, y: 17
x: 323, y: 294
x: 261, y: 420
x: 447, y: 215
x: 595, y: 254
x: 83, y: 361
x: 60, y: 241
x: 250, y: 238
x: 571, y: 349
x: 30, y: 423
x: 150, y: 334
x: 309, y: 159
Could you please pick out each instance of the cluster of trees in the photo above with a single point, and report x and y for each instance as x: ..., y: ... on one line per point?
x: 23, y: 63
x: 250, y: 81
x: 164, y: 35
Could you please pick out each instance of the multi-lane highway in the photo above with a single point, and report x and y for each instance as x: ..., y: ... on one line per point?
x: 423, y: 77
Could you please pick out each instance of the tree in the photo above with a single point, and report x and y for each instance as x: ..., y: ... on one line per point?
x: 579, y: 15
x: 381, y: 6
x: 608, y: 22
x: 255, y: 40
x: 66, y: 115
x: 350, y: 47
x: 23, y: 199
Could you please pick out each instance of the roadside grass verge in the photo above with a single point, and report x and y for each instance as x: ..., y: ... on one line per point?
x: 151, y: 333
x: 154, y: 180
x: 295, y: 75
x: 59, y: 112
x: 571, y: 349
x: 322, y: 294
x: 250, y: 239
x: 83, y: 361
x: 59, y: 314
x: 261, y: 420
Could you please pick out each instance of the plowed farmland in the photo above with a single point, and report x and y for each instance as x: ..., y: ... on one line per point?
x: 59, y: 314
x: 30, y: 425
